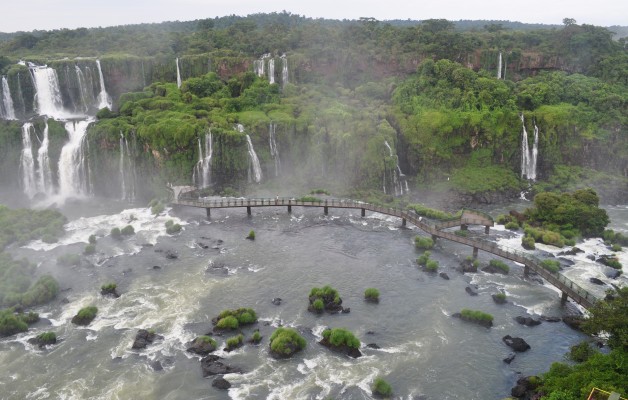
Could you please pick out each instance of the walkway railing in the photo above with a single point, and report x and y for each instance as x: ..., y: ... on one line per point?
x: 567, y: 286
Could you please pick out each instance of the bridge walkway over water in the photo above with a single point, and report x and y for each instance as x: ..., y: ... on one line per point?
x: 568, y: 288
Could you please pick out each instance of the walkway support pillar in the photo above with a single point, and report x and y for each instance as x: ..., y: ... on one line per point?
x: 487, y: 229
x: 434, y: 237
x: 248, y: 210
x: 363, y: 212
x: 464, y: 227
x: 326, y: 210
x: 208, y: 212
x: 475, y: 252
x: 563, y: 298
x: 289, y: 208
x: 526, y: 271
x: 403, y: 222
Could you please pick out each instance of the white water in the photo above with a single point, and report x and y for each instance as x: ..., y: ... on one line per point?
x: 87, y: 96
x: 255, y: 166
x: 44, y: 173
x: 274, y: 152
x: 47, y: 92
x: 178, y: 74
x: 399, y: 179
x: 499, y: 66
x: 27, y: 163
x: 73, y: 175
x: 7, y: 101
x: 529, y: 156
x: 202, y: 171
x: 284, y: 70
x: 271, y: 70
x: 104, y: 100
x: 121, y: 167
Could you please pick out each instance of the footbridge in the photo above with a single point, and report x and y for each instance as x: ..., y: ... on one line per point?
x: 568, y: 288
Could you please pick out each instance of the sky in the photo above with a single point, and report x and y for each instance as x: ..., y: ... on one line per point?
x: 55, y: 14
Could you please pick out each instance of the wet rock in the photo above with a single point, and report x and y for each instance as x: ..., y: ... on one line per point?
x: 143, y: 338
x: 550, y: 319
x: 211, y: 365
x: 444, y: 276
x: 591, y: 257
x: 201, y: 346
x: 350, y: 351
x: 596, y: 281
x: 171, y: 255
x: 467, y: 267
x: 156, y: 267
x: 202, y: 245
x: 510, y: 358
x: 373, y: 346
x: 370, y: 332
x: 566, y: 262
x: 572, y: 252
x: 574, y: 322
x: 354, y: 353
x: 493, y: 270
x: 612, y: 273
x: 499, y: 299
x: 219, y: 241
x: 221, y: 383
x: 471, y: 291
x: 65, y: 300
x: 517, y: 344
x: 346, y: 310
x: 276, y: 301
x: 525, y: 387
x: 527, y: 321
x: 156, y: 366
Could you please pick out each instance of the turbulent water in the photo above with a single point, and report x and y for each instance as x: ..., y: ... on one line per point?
x: 422, y: 347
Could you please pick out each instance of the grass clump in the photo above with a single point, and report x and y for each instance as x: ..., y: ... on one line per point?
x: 528, y: 242
x: 69, y: 260
x: 512, y: 225
x: 424, y: 258
x: 475, y: 315
x: 371, y: 294
x: 172, y: 228
x: 108, y: 287
x: 12, y: 323
x: 326, y: 295
x: 500, y: 296
x: 431, y: 266
x: 339, y: 337
x: 89, y: 249
x: 251, y: 235
x: 320, y: 191
x: 115, y: 233
x: 310, y: 199
x: 127, y: 230
x: 499, y: 266
x: 616, y: 247
x: 381, y: 387
x: 85, y: 316
x: 233, y: 319
x: 234, y: 342
x: 47, y: 338
x: 461, y: 232
x: 284, y: 342
x: 256, y: 338
x: 422, y: 242
x: 432, y: 213
x: 318, y: 305
x: 551, y: 265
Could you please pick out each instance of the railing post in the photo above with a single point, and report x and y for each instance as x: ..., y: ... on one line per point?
x: 563, y: 298
x: 363, y: 212
x: 403, y: 222
x: 326, y: 210
x: 208, y: 212
x: 475, y: 252
x: 289, y: 208
x: 248, y: 210
x: 487, y: 229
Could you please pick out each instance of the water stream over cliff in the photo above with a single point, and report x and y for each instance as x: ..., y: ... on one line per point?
x: 7, y: 111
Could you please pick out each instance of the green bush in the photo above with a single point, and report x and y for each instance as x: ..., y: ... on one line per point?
x: 232, y: 319
x: 235, y: 341
x: 318, y: 305
x: 475, y: 315
x: 257, y: 337
x: 503, y: 219
x: 551, y: 265
x: 89, y: 249
x: 11, y: 323
x: 552, y: 238
x: 341, y: 337
x: 127, y: 230
x: 92, y: 239
x: 381, y: 387
x: 527, y: 242
x: 228, y: 322
x: 157, y: 208
x: 251, y: 235
x: 432, y: 213
x: 613, y: 263
x: 172, y: 228
x: 108, y: 287
x: 513, y: 226
x: 371, y: 294
x: 69, y: 260
x: 310, y: 199
x: 47, y: 337
x: 581, y: 352
x: 85, y: 315
x: 286, y: 341
x: 616, y: 247
x: 116, y: 233
x: 424, y: 258
x: 169, y: 223
x: 500, y: 296
x: 431, y: 266
x: 422, y: 242
x: 461, y: 232
x: 498, y: 264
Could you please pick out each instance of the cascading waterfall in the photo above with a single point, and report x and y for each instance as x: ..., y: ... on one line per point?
x: 86, y: 95
x: 271, y: 70
x: 47, y: 92
x: 284, y: 70
x: 127, y: 170
x: 27, y: 163
x: 529, y: 156
x: 499, y: 66
x: 259, y: 65
x: 203, y: 169
x: 274, y: 152
x: 178, y: 74
x: 44, y: 173
x: 7, y: 101
x: 104, y: 100
x: 73, y: 171
x: 399, y: 182
x: 255, y: 166
x: 122, y: 178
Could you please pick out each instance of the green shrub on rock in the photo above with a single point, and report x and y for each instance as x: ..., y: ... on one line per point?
x: 229, y: 322
x: 251, y: 235
x: 116, y: 233
x: 235, y: 342
x: 89, y: 249
x: 339, y: 337
x: 422, y: 242
x: 424, y: 258
x: 127, y: 230
x: 328, y: 296
x: 381, y: 388
x: 513, y: 226
x: 233, y: 319
x: 527, y: 242
x: 284, y: 342
x: 12, y: 323
x: 371, y: 294
x: 85, y: 316
x: 551, y: 265
x: 431, y: 266
x: 499, y: 266
x: 172, y: 228
x: 475, y: 316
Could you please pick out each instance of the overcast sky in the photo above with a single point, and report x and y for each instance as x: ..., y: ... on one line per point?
x: 54, y: 14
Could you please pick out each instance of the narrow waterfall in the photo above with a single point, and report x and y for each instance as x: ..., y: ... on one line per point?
x: 203, y: 170
x: 399, y: 182
x: 44, y: 173
x: 284, y: 70
x: 274, y: 151
x: 20, y: 97
x: 529, y: 156
x: 258, y: 67
x: 255, y: 166
x: 499, y: 66
x: 104, y: 100
x: 47, y: 92
x: 84, y: 88
x: 7, y: 101
x: 121, y: 167
x: 73, y: 171
x: 127, y: 170
x: 271, y: 70
x: 27, y: 163
x: 178, y: 74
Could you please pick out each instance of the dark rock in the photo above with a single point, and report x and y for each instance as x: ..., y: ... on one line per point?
x: 373, y: 346
x: 370, y: 332
x: 612, y: 273
x: 525, y: 387
x: 346, y: 310
x: 41, y: 343
x: 518, y: 216
x: 201, y: 347
x: 202, y: 245
x: 566, y: 262
x: 156, y: 267
x: 527, y: 321
x: 493, y: 270
x: 143, y: 338
x: 591, y: 257
x: 350, y: 351
x: 221, y: 383
x: 276, y: 301
x: 510, y: 358
x: 596, y: 281
x: 156, y: 365
x: 467, y: 267
x: 211, y: 365
x: 470, y: 290
x: 550, y: 319
x: 517, y: 344
x: 499, y: 299
x: 444, y: 276
x: 574, y: 322
x: 354, y: 353
x: 109, y: 292
x: 65, y: 300
x: 219, y: 241
x: 171, y: 255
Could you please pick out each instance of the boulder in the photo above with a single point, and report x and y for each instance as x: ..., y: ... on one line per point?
x: 612, y: 273
x: 549, y: 319
x: 143, y: 338
x: 444, y: 276
x: 202, y: 245
x: 276, y: 301
x: 346, y: 310
x: 517, y: 344
x: 510, y: 358
x: 109, y: 292
x: 201, y: 347
x: 574, y: 322
x: 471, y: 291
x: 373, y: 346
x: 156, y: 366
x: 525, y: 388
x: 171, y: 255
x: 527, y: 321
x: 221, y: 383
x: 596, y: 281
x: 211, y: 365
x: 499, y: 299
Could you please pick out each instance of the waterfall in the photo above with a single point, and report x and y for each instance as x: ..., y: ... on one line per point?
x: 399, y: 182
x: 104, y: 100
x: 27, y: 163
x: 127, y: 170
x: 274, y: 152
x: 284, y: 70
x: 122, y: 180
x: 259, y: 65
x: 178, y: 74
x: 529, y: 157
x: 499, y: 66
x: 44, y: 173
x: 271, y: 70
x: 47, y: 92
x: 73, y: 171
x: 257, y: 170
x: 7, y: 101
x: 202, y: 171
x: 84, y: 88
x: 20, y: 97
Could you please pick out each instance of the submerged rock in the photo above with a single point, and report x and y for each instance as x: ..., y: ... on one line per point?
x: 574, y: 322
x: 143, y: 338
x: 471, y: 291
x: 373, y: 346
x: 444, y: 276
x: 517, y: 344
x: 527, y: 321
x: 525, y: 387
x: 596, y: 281
x: 211, y: 365
x: 201, y: 346
x: 549, y: 319
x: 510, y: 358
x: 221, y: 383
x: 276, y: 301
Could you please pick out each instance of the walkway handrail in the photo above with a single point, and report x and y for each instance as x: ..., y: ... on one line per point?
x: 566, y: 285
